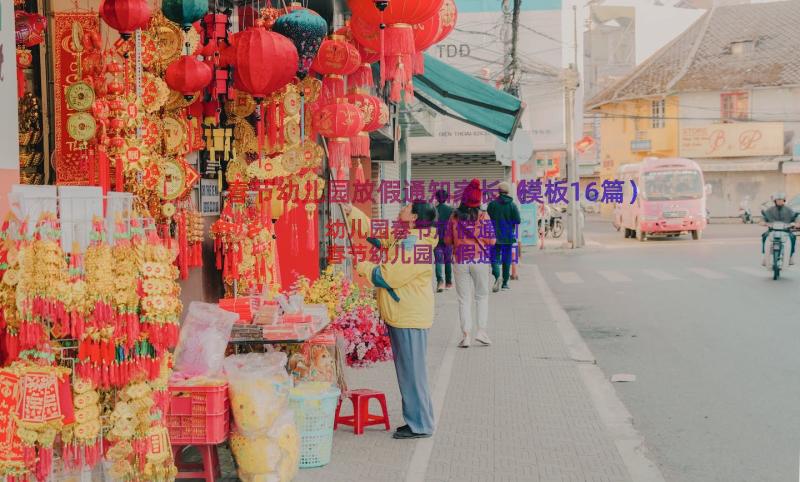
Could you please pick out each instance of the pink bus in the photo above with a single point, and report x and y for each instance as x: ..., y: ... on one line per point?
x: 671, y: 199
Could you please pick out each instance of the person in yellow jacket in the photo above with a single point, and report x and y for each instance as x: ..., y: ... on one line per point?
x: 405, y: 299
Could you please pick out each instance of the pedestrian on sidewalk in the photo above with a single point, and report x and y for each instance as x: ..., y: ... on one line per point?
x: 505, y: 216
x: 471, y: 237
x: 443, y: 252
x: 405, y: 301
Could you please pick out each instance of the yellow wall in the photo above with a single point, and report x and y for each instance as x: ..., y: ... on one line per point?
x: 619, y: 125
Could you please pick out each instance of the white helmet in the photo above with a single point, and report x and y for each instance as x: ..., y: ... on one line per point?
x: 778, y: 195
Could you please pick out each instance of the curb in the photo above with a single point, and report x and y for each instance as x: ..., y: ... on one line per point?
x: 615, y: 416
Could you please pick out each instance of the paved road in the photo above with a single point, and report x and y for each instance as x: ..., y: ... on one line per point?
x: 712, y: 340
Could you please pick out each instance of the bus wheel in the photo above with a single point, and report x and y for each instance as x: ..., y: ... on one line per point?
x: 697, y: 234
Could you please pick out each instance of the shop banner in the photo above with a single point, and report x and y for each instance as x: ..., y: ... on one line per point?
x: 70, y: 159
x: 10, y: 444
x: 745, y: 139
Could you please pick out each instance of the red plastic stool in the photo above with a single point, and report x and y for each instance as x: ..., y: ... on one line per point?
x: 207, y: 469
x: 361, y: 417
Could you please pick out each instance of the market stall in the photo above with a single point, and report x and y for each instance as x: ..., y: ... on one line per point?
x: 162, y: 142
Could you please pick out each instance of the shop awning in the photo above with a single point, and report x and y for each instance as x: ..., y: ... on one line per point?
x: 456, y: 94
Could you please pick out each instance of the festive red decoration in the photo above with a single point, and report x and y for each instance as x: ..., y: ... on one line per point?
x: 338, y: 122
x: 397, y: 50
x: 125, y: 16
x: 336, y: 58
x: 375, y: 114
x: 29, y: 28
x: 433, y: 31
x: 263, y: 61
x: 398, y: 11
x: 188, y: 75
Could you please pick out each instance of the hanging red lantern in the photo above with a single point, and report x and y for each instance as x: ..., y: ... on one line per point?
x: 188, y: 75
x: 263, y: 61
x: 126, y: 16
x: 338, y: 122
x: 448, y: 16
x: 433, y: 31
x: 362, y: 77
x: 397, y: 11
x: 375, y: 115
x: 336, y: 58
x: 396, y: 46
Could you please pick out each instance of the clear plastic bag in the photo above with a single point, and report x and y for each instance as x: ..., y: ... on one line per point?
x: 258, y: 386
x: 204, y: 337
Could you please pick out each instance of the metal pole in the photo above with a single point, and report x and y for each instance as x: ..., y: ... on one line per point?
x: 572, y: 165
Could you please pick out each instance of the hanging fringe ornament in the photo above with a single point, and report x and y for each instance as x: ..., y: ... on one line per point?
x: 311, y: 228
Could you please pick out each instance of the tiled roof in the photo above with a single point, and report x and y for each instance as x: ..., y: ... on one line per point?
x: 701, y: 58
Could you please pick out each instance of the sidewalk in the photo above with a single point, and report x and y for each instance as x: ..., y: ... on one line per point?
x: 532, y: 407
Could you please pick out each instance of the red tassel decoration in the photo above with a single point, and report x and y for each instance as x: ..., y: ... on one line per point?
x: 339, y: 154
x: 419, y: 63
x: 361, y: 78
x: 359, y: 145
x: 359, y: 172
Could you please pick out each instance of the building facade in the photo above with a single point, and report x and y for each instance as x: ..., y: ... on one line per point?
x: 724, y: 93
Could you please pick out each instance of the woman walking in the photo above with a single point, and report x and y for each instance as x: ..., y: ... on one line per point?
x: 471, y: 234
x: 405, y: 301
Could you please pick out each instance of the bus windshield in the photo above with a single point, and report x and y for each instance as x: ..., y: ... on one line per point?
x: 672, y: 185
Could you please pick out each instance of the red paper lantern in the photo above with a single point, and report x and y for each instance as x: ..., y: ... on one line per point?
x: 188, y: 75
x: 338, y: 122
x: 335, y: 59
x: 397, y: 52
x: 263, y: 61
x: 375, y: 115
x: 398, y: 11
x: 448, y: 16
x: 126, y: 16
x: 362, y: 77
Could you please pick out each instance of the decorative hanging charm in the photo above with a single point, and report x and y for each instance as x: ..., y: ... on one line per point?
x: 126, y: 16
x: 306, y: 29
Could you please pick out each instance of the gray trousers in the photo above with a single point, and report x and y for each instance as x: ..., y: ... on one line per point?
x: 410, y: 348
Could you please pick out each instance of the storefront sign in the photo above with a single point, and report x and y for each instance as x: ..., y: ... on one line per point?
x: 744, y: 139
x: 209, y: 197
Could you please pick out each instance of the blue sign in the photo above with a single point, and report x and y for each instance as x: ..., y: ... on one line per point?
x: 528, y: 231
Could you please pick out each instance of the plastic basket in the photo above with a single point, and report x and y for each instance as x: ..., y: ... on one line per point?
x: 313, y: 415
x: 198, y: 415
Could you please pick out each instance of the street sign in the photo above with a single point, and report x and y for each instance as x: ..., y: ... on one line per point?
x: 209, y: 197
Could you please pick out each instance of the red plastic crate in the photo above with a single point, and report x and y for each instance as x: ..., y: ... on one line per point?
x: 198, y: 415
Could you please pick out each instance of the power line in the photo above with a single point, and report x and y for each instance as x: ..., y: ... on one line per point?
x: 611, y: 115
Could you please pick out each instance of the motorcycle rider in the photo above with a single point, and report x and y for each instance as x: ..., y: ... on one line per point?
x: 780, y: 212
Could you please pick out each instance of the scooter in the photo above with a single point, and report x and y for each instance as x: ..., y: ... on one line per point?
x: 745, y: 213
x: 776, y: 245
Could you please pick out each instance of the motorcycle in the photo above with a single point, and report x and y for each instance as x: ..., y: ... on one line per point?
x: 744, y: 209
x: 776, y: 245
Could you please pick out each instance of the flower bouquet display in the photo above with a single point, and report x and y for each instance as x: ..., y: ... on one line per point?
x: 354, y: 312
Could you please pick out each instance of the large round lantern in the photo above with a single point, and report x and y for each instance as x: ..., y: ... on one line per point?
x: 188, y: 75
x: 396, y: 55
x: 306, y: 29
x: 184, y: 12
x: 433, y: 31
x: 375, y: 115
x: 397, y: 11
x: 126, y: 16
x: 336, y: 59
x: 338, y: 122
x: 362, y: 77
x: 263, y: 61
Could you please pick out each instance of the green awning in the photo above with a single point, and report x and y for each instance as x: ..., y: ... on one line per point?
x: 454, y: 93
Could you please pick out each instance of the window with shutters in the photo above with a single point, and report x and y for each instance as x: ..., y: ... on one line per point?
x: 734, y: 106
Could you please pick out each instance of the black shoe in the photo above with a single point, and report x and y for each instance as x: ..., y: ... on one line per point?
x: 405, y: 435
x: 404, y: 428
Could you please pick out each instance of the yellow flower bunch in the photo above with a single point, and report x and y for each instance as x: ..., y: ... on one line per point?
x: 326, y: 290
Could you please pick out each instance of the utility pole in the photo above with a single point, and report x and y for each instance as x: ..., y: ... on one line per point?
x: 571, y: 84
